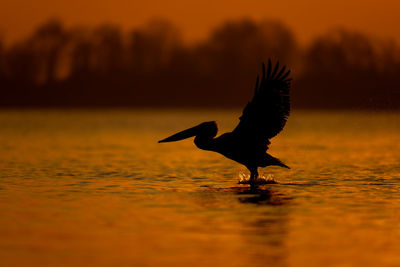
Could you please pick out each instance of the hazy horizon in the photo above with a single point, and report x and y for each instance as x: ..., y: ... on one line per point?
x: 307, y: 19
x: 151, y: 66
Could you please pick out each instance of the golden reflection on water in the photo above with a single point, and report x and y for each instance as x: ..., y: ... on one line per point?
x: 81, y: 188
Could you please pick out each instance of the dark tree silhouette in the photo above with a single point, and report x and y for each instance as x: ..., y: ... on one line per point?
x: 152, y: 66
x: 232, y: 54
x: 345, y: 69
x: 47, y: 43
x: 153, y: 46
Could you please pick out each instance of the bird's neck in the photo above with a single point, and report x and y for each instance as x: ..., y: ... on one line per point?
x: 204, y: 142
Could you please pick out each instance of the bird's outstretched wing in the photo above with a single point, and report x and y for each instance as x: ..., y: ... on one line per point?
x: 266, y: 114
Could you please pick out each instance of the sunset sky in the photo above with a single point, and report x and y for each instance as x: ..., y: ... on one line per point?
x: 195, y: 18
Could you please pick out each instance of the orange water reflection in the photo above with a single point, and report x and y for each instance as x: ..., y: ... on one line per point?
x: 94, y: 188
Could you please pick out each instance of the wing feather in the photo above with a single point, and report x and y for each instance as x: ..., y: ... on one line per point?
x: 275, y: 70
x: 286, y: 74
x: 269, y: 69
x: 266, y: 114
x: 278, y: 77
x: 257, y: 82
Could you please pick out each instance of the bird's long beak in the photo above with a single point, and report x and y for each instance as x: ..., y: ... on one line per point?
x: 181, y: 135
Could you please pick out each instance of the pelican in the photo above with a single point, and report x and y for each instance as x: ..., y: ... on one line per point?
x: 262, y: 119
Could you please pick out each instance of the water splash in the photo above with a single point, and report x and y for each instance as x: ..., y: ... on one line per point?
x: 244, y: 178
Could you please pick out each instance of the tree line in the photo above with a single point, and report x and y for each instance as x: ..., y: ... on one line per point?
x: 152, y: 66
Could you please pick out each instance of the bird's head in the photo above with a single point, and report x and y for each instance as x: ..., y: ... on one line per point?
x: 206, y: 130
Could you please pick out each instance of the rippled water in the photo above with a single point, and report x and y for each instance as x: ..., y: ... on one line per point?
x: 93, y: 188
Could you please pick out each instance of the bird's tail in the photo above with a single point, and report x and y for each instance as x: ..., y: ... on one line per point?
x: 270, y: 160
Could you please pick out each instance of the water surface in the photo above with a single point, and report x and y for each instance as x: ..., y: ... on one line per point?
x: 93, y: 188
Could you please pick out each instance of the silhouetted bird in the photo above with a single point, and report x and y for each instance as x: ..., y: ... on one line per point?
x: 263, y: 118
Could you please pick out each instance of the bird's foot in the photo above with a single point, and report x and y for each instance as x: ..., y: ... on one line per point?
x: 269, y: 179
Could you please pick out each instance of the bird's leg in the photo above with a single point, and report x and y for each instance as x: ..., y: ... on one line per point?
x: 253, y: 175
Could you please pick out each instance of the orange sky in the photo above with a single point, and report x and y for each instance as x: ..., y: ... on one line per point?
x: 306, y: 17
